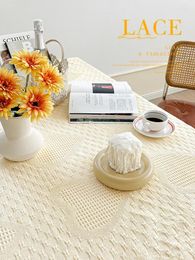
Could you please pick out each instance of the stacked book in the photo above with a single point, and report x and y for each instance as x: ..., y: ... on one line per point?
x: 101, y: 102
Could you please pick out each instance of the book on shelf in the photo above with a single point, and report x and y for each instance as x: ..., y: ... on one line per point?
x: 14, y: 42
x: 101, y: 102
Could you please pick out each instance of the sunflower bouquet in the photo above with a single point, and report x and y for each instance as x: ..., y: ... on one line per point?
x: 32, y: 98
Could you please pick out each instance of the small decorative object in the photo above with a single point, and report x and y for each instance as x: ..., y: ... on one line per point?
x: 124, y: 153
x: 123, y: 165
x: 21, y: 103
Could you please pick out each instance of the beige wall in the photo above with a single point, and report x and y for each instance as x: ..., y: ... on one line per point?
x: 148, y: 82
x: 90, y: 29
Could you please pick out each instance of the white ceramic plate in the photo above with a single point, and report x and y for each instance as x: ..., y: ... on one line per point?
x: 139, y: 127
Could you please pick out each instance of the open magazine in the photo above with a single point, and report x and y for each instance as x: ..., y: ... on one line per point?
x: 101, y: 102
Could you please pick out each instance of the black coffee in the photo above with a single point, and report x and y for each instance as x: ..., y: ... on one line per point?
x: 154, y: 119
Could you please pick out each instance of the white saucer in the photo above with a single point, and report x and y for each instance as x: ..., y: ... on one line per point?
x: 139, y: 127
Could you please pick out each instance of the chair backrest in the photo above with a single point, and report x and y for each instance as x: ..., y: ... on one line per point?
x: 181, y: 65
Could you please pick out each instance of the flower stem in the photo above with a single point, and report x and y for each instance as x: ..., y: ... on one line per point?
x: 27, y: 81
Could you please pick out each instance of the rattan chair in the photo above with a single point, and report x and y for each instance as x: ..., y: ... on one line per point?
x: 181, y: 74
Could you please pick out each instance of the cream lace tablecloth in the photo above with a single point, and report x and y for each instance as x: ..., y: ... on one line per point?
x: 52, y: 207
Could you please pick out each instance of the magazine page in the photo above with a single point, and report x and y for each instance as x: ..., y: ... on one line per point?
x: 80, y: 86
x: 97, y: 103
x: 4, y: 53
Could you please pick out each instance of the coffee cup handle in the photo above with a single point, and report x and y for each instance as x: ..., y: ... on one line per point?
x: 146, y: 126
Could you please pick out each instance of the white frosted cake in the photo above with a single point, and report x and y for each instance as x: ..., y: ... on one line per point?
x: 124, y: 153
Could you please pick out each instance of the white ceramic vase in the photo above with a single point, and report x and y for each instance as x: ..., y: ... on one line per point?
x: 19, y: 141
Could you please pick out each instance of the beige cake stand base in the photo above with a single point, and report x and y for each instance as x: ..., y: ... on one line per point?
x: 131, y: 181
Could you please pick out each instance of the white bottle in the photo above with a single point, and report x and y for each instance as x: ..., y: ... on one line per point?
x: 39, y: 41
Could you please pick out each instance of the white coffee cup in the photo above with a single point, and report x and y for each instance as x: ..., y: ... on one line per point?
x: 155, y: 120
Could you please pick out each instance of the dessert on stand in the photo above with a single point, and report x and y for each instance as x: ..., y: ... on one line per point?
x: 123, y: 165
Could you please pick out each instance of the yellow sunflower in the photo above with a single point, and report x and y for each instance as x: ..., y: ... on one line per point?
x: 10, y: 84
x: 50, y: 79
x: 6, y: 104
x: 29, y: 62
x: 35, y: 104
